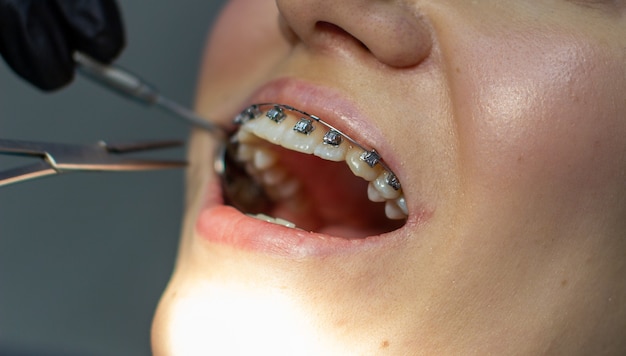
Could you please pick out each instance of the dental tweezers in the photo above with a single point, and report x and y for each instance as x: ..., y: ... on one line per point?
x: 58, y: 158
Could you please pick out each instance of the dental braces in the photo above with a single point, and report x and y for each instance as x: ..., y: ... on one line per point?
x: 306, y: 124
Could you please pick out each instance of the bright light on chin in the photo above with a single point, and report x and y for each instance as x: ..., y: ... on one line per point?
x: 228, y: 321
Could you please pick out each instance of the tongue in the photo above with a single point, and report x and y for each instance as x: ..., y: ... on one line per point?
x: 334, y: 200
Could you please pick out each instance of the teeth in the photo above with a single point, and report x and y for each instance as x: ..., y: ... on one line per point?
x: 277, y: 221
x: 245, y: 152
x: 284, y: 222
x: 331, y: 153
x: 386, y: 190
x: 371, y: 158
x: 373, y: 194
x: 333, y: 138
x: 359, y: 167
x: 393, y: 210
x: 245, y: 136
x: 299, y: 140
x: 401, y: 202
x: 264, y: 158
x: 274, y: 176
x: 267, y: 129
x: 308, y: 134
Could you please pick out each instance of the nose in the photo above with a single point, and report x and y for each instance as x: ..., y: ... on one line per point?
x: 392, y: 31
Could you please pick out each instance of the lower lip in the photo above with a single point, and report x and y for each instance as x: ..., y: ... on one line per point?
x: 225, y: 225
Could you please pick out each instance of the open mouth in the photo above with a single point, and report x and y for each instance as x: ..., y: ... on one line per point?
x: 316, y: 177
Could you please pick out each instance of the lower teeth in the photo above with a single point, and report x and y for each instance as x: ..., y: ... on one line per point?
x: 269, y: 219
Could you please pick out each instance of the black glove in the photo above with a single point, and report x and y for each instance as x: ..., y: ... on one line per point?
x: 38, y: 37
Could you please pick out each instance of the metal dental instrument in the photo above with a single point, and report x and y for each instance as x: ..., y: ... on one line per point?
x: 59, y: 158
x: 132, y: 86
x: 239, y: 189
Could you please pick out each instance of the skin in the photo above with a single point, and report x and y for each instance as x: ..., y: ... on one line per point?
x: 509, y: 120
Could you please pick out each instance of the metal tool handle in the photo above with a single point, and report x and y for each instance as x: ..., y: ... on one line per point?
x: 116, y: 78
x: 132, y: 86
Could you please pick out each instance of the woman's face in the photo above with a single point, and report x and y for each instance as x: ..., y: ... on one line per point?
x: 504, y: 121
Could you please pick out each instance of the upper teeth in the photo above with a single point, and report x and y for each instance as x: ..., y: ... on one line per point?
x: 296, y: 130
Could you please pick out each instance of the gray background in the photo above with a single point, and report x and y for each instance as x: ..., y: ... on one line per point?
x: 84, y: 257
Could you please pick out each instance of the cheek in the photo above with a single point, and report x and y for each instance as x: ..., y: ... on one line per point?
x: 544, y: 113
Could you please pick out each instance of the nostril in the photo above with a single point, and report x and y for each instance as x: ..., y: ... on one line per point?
x: 392, y: 33
x: 336, y: 34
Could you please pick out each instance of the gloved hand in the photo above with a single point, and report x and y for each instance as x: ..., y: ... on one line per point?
x: 38, y: 37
